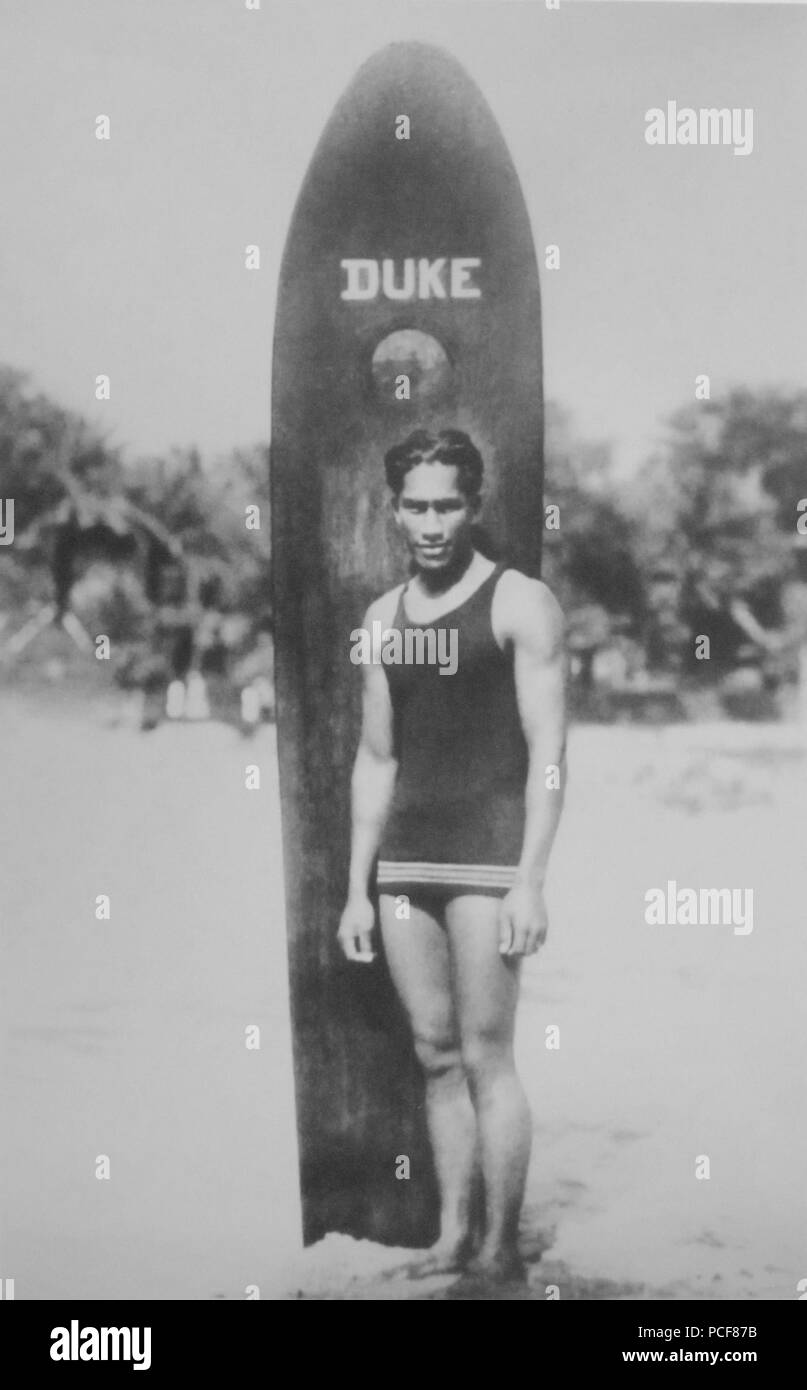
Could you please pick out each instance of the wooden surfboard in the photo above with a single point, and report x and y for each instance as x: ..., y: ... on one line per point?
x: 406, y: 258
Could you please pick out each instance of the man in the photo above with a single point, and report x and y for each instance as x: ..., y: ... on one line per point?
x: 457, y: 791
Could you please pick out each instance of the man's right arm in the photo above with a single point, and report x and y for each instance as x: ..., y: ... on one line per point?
x: 372, y: 786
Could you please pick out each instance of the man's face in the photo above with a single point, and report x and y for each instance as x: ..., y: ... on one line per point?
x: 435, y: 516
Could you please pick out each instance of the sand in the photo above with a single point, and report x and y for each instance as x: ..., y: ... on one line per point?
x: 127, y: 1037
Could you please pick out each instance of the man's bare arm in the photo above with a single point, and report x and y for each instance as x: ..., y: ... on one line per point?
x: 372, y: 785
x: 534, y: 623
x: 373, y: 777
x: 540, y: 671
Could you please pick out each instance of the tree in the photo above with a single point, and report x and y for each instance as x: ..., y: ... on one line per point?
x: 589, y: 558
x: 718, y: 503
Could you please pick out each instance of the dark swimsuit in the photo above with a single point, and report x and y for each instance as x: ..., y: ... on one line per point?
x: 457, y: 815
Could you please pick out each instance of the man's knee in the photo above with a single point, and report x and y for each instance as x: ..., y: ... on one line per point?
x: 438, y: 1053
x: 486, y: 1052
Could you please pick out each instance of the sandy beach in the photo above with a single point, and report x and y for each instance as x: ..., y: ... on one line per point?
x: 126, y: 1037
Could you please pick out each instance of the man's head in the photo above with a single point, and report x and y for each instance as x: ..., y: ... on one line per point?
x: 435, y: 481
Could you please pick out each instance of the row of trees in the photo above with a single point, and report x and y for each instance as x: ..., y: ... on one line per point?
x: 73, y: 493
x: 703, y: 540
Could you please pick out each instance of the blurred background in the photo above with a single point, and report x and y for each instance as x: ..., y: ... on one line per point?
x: 152, y: 556
x: 702, y: 541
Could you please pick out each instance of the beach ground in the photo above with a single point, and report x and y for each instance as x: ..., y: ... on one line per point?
x: 127, y: 1037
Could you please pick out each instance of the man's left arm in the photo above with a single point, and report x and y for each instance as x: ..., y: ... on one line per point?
x: 536, y: 629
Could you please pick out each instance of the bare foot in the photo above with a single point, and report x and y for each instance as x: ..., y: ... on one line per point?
x: 498, y: 1267
x: 447, y: 1256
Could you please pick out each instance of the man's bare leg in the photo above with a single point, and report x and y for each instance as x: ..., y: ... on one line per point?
x: 486, y: 993
x: 418, y: 958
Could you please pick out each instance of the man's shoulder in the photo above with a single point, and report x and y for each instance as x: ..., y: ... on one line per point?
x: 382, y: 609
x: 523, y: 605
x: 519, y: 589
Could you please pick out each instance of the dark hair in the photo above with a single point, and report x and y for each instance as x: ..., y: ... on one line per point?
x: 451, y: 447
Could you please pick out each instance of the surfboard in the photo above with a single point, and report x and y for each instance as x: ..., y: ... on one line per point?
x: 408, y: 296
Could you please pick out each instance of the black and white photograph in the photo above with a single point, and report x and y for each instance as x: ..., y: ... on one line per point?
x: 403, y: 658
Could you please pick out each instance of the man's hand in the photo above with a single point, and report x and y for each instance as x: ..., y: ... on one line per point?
x: 356, y: 929
x: 523, y: 921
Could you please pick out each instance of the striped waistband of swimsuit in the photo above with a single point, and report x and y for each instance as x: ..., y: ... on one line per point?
x: 392, y: 872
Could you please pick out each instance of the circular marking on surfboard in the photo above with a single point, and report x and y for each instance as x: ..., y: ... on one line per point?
x: 415, y: 354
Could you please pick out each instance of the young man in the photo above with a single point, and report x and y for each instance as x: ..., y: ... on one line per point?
x: 457, y: 791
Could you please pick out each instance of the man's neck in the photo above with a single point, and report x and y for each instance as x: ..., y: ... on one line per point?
x: 436, y: 582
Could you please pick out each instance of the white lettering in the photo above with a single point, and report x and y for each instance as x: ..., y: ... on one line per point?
x: 362, y: 279
x: 411, y: 278
x: 461, y: 269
